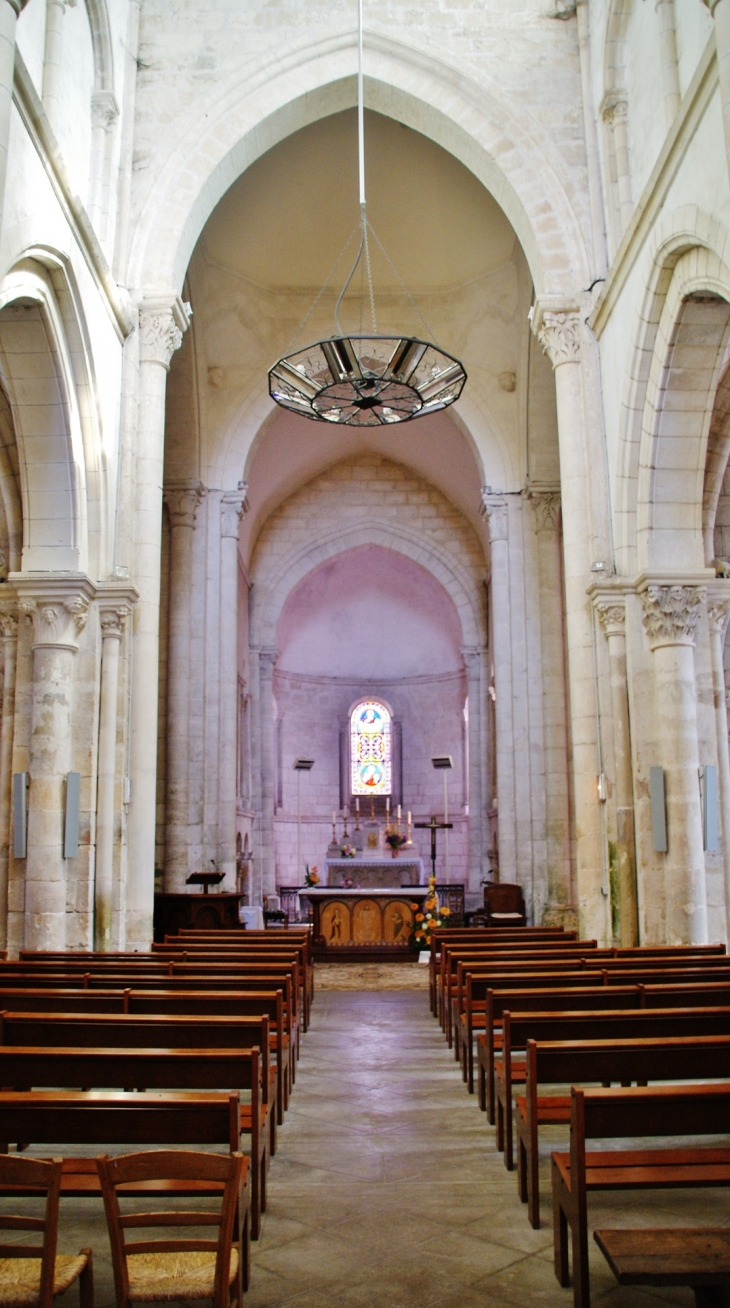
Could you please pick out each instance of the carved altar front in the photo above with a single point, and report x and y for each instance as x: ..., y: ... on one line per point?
x: 363, y: 920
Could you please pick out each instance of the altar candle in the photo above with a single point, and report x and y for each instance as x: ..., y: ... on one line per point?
x: 387, y: 805
x: 357, y: 807
x: 399, y: 812
x: 334, y: 817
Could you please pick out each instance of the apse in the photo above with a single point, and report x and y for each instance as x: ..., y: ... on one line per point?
x: 372, y: 614
x: 369, y: 622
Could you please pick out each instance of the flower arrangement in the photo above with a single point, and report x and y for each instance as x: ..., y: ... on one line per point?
x: 347, y: 851
x: 395, y: 839
x: 428, y: 917
x: 311, y: 878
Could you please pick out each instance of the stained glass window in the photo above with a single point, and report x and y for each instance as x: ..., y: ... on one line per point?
x: 371, y: 767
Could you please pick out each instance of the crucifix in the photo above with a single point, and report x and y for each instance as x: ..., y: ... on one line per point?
x: 433, y: 826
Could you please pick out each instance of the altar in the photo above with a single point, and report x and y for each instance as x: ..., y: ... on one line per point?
x: 369, y: 922
x: 375, y: 873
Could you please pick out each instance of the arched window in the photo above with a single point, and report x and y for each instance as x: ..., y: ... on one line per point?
x: 371, y: 766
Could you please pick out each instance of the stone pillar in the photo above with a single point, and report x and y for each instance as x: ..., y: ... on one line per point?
x: 233, y: 506
x: 615, y: 112
x: 494, y: 509
x: 668, y: 57
x: 267, y: 663
x: 559, y: 334
x: 104, y: 114
x: 718, y: 613
x: 560, y: 906
x: 9, y: 629
x: 612, y: 616
x: 161, y: 324
x: 182, y: 505
x: 53, y: 59
x: 58, y: 614
x: 670, y: 620
x: 113, y: 617
x: 9, y: 11
x: 473, y: 659
x: 720, y: 10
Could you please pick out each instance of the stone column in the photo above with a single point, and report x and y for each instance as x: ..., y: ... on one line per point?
x: 668, y: 57
x: 233, y: 506
x: 267, y: 663
x: 559, y: 334
x: 670, y: 620
x: 612, y: 616
x: 718, y: 613
x: 494, y: 509
x: 104, y: 114
x: 720, y: 10
x: 53, y: 59
x: 9, y: 629
x: 113, y: 617
x: 161, y: 324
x: 615, y: 112
x: 560, y: 906
x: 182, y: 505
x: 477, y: 759
x: 9, y: 11
x: 58, y: 614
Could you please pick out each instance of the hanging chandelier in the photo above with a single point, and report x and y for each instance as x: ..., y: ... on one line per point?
x: 366, y: 380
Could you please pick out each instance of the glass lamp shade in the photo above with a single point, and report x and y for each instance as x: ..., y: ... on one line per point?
x: 366, y: 381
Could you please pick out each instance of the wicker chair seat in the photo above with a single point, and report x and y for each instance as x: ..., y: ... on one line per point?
x: 20, y: 1278
x: 166, y: 1276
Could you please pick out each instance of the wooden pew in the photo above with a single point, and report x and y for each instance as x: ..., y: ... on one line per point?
x: 697, y: 1257
x: 192, y: 1003
x: 497, y: 1002
x: 483, y: 935
x: 661, y: 1112
x: 546, y: 1032
x: 89, y: 1118
x: 29, y: 1067
x: 554, y: 975
x: 155, y: 1031
x: 595, y: 960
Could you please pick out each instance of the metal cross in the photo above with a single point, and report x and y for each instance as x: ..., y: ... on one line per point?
x: 433, y: 826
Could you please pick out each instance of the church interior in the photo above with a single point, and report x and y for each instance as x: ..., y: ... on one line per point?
x: 364, y: 671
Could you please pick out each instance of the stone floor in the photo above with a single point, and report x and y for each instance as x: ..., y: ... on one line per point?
x: 387, y: 1192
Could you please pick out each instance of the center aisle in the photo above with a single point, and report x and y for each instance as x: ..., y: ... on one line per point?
x: 386, y: 1189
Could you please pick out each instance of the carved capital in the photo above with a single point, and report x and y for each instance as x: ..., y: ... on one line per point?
x: 104, y: 109
x: 57, y: 620
x: 711, y: 5
x: 559, y: 336
x: 494, y: 509
x: 547, y: 509
x: 718, y: 615
x: 614, y: 107
x: 671, y: 613
x: 18, y: 6
x: 113, y: 621
x: 612, y: 617
x: 161, y: 326
x: 182, y: 504
x: 234, y: 507
x: 9, y: 621
x: 267, y: 661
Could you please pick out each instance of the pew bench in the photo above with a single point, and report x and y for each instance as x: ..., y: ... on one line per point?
x: 663, y: 1112
x: 133, y: 1031
x: 696, y: 1257
x: 33, y: 1067
x: 68, y: 1117
x: 489, y: 1043
x: 656, y: 1055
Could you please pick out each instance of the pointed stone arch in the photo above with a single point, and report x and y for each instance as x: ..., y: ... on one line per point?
x: 499, y: 142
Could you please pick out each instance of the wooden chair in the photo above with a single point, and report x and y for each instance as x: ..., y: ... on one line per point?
x: 32, y: 1275
x: 165, y: 1270
x: 504, y: 905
